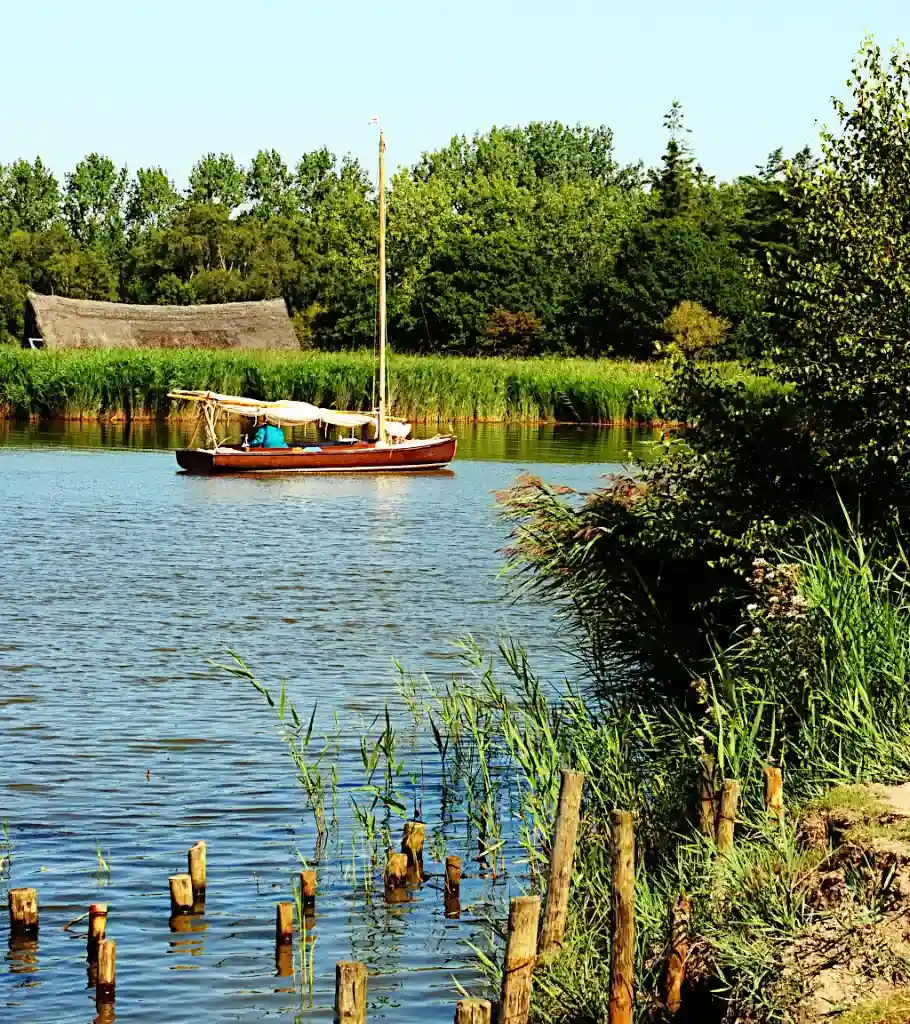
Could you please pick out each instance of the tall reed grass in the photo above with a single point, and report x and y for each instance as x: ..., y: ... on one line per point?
x: 88, y: 383
x: 818, y: 685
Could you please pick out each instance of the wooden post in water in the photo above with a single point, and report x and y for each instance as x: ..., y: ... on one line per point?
x: 107, y: 966
x: 473, y: 1011
x: 284, y: 924
x: 350, y: 992
x: 23, y: 911
x: 181, y: 894
x: 562, y: 854
x: 308, y: 890
x: 284, y: 940
x: 680, y: 918
x: 520, y: 959
x: 707, y: 811
x: 97, y: 929
x: 453, y: 876
x: 622, y: 968
x: 726, y: 815
x: 451, y: 893
x: 774, y: 792
x: 396, y: 869
x: 196, y: 857
x: 412, y: 844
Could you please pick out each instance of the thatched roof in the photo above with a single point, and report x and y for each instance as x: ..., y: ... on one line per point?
x: 77, y: 323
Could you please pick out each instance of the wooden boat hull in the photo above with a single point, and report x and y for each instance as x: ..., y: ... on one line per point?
x: 431, y: 454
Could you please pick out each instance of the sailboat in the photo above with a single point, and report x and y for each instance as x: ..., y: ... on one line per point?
x: 389, y: 447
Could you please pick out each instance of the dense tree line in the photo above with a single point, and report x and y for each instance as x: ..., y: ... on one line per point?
x: 518, y: 241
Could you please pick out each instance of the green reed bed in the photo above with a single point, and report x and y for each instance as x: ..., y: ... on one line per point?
x: 91, y: 383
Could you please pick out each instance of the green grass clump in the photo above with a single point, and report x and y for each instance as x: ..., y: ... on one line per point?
x: 87, y: 383
x: 893, y: 1009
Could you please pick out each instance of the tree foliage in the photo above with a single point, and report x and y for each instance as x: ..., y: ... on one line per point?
x: 659, y: 568
x: 525, y: 240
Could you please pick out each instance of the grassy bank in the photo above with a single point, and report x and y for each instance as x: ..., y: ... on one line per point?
x: 94, y: 383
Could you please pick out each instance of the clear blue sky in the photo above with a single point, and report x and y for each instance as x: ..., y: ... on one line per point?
x: 165, y: 81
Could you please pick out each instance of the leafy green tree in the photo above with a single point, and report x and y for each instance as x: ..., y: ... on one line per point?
x: 83, y: 274
x: 270, y: 185
x: 674, y: 183
x: 12, y: 305
x: 841, y: 298
x: 93, y: 202
x: 218, y: 179
x: 29, y: 197
x: 152, y: 200
x: 316, y: 176
x: 769, y: 227
x: 684, y: 248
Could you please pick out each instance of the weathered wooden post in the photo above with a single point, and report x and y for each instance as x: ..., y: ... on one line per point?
x: 707, y: 810
x: 284, y: 924
x: 473, y: 1011
x: 196, y: 860
x: 680, y: 918
x: 284, y: 939
x: 308, y: 890
x: 23, y: 911
x: 774, y: 792
x: 181, y: 887
x: 451, y: 893
x: 726, y: 815
x: 396, y: 869
x: 97, y: 929
x: 412, y: 845
x: 453, y: 876
x: 520, y: 959
x: 562, y: 854
x: 107, y: 966
x: 350, y: 992
x: 622, y: 968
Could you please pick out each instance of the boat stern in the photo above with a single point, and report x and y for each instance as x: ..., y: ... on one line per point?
x: 195, y: 460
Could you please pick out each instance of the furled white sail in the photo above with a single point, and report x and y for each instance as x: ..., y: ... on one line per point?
x: 288, y: 413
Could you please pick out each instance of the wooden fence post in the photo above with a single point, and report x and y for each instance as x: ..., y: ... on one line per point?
x: 308, y: 889
x: 562, y: 854
x: 284, y: 924
x: 706, y: 799
x: 451, y: 892
x: 726, y: 815
x: 473, y: 1011
x: 396, y: 869
x: 622, y: 967
x: 107, y: 966
x: 774, y: 792
x: 453, y: 876
x: 181, y: 887
x: 196, y: 857
x: 680, y: 918
x: 97, y: 929
x: 520, y: 959
x: 23, y: 911
x: 284, y: 939
x: 350, y: 993
x: 412, y: 844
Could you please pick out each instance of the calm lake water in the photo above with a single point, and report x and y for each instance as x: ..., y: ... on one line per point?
x: 120, y: 580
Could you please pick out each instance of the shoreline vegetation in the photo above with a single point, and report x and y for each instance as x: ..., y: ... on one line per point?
x: 130, y: 384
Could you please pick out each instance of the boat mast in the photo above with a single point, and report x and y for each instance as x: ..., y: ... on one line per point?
x: 382, y: 310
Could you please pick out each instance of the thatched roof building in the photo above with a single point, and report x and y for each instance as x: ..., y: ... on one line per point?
x: 52, y: 322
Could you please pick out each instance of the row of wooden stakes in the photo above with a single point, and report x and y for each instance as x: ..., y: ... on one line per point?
x: 718, y: 808
x: 526, y: 943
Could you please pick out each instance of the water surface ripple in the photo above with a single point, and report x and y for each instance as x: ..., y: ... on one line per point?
x: 120, y: 579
